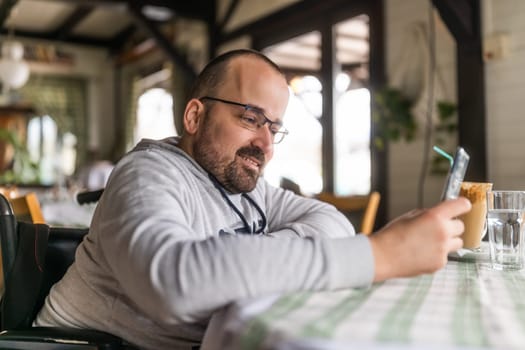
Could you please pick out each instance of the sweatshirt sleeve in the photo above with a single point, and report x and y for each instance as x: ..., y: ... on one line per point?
x: 289, y: 213
x: 176, y: 275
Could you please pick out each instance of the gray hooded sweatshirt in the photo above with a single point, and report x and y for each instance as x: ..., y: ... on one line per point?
x: 168, y: 246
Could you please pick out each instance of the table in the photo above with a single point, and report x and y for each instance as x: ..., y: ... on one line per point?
x: 67, y: 212
x: 60, y: 208
x: 465, y: 305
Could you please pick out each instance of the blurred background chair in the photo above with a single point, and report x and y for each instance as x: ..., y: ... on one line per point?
x: 34, y: 257
x: 27, y: 208
x: 360, y: 210
x: 85, y: 197
x: 290, y: 185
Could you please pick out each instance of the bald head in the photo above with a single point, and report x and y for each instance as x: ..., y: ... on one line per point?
x: 219, y: 70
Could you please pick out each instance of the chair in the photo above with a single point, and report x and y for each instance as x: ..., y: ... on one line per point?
x: 9, y: 191
x: 36, y: 256
x: 290, y: 185
x: 356, y: 208
x: 27, y: 208
x: 86, y: 197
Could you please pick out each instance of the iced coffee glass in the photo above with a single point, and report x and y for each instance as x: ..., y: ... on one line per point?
x: 475, y: 219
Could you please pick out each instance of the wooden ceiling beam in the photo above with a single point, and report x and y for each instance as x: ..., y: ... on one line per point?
x: 460, y: 18
x: 118, y: 41
x: 463, y: 19
x: 135, y: 7
x: 5, y: 10
x: 63, y: 31
x: 298, y: 17
x: 227, y: 16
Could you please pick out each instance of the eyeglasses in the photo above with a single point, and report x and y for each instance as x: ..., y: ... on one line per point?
x: 253, y: 119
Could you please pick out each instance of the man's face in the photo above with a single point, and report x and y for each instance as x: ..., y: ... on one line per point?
x: 228, y: 155
x: 233, y: 154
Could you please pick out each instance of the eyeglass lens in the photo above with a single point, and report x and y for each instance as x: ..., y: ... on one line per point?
x: 253, y: 119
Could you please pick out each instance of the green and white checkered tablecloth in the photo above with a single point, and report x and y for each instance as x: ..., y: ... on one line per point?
x: 466, y: 305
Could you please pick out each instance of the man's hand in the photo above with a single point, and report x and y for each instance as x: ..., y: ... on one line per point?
x: 419, y: 241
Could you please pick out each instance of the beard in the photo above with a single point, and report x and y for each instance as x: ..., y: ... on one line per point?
x: 233, y: 175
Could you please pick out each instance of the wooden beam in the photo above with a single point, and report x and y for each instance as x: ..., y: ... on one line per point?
x: 459, y: 16
x: 300, y: 17
x: 376, y: 68
x: 471, y: 110
x: 463, y: 18
x: 328, y: 74
x: 63, y: 31
x: 135, y: 6
x: 227, y: 16
x: 121, y: 38
x: 212, y: 28
x: 5, y: 11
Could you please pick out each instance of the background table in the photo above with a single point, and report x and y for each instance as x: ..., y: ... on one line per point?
x: 466, y: 305
x: 61, y: 208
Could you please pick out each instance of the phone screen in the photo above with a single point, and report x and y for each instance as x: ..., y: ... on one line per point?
x: 456, y: 175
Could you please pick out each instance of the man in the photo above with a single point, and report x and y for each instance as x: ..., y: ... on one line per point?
x: 186, y: 226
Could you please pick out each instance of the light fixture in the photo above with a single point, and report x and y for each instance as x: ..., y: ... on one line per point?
x: 14, y: 71
x: 157, y: 13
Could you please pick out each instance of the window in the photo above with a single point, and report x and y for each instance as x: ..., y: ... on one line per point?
x: 154, y: 115
x: 352, y: 147
x: 54, y: 153
x: 300, y: 156
x: 57, y: 138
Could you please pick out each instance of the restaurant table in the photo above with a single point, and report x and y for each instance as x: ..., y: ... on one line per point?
x: 465, y: 305
x: 59, y: 206
x: 67, y: 212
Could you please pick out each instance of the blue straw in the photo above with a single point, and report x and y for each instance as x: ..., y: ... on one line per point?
x: 444, y: 154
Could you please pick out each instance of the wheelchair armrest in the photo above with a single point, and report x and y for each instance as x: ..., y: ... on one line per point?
x: 59, y: 338
x: 89, y: 196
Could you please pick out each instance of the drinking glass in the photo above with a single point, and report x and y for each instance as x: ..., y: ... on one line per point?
x: 505, y: 213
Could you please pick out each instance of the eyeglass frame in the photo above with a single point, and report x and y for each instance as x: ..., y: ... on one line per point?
x: 282, y: 130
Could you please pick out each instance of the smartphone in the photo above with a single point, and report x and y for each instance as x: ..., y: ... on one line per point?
x: 456, y: 175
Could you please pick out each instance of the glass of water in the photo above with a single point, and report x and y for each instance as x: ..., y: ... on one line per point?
x: 505, y: 214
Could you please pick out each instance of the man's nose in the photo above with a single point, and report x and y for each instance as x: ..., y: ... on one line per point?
x: 264, y: 139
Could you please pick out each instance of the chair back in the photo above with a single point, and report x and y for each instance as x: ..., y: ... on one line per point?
x: 23, y: 285
x: 89, y: 196
x: 34, y: 257
x: 27, y: 208
x: 362, y: 209
x: 8, y: 240
x: 62, y: 245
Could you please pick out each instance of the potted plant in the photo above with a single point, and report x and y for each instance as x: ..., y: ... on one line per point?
x: 392, y: 112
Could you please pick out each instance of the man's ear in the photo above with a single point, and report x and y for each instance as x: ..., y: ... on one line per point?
x: 193, y: 115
